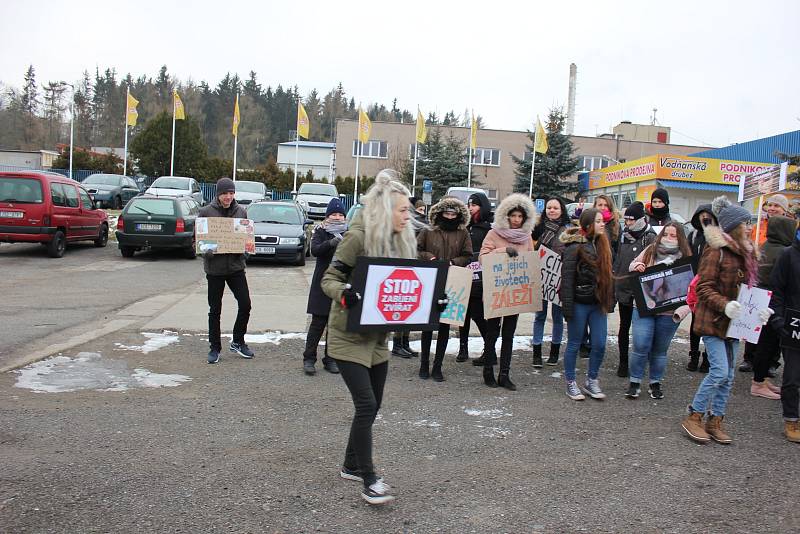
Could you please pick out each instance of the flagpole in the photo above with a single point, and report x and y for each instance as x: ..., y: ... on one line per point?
x: 533, y: 155
x: 355, y: 188
x: 469, y: 167
x: 296, y: 150
x: 125, y: 157
x: 235, y: 143
x: 172, y: 155
x: 414, y: 179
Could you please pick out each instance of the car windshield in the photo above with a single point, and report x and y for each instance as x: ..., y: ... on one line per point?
x: 318, y: 189
x: 171, y: 182
x: 151, y: 206
x: 274, y: 213
x: 249, y: 187
x: 20, y: 190
x: 103, y: 179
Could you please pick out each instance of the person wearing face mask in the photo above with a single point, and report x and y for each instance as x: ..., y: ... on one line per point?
x: 587, y: 297
x: 658, y: 209
x: 652, y: 334
x: 480, y: 223
x: 703, y: 217
x: 637, y: 236
x: 446, y: 240
x: 547, y: 233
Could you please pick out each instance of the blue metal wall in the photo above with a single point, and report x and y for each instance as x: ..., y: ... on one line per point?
x: 759, y: 150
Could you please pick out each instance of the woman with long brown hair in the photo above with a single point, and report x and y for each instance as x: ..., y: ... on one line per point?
x: 587, y: 297
x: 652, y: 334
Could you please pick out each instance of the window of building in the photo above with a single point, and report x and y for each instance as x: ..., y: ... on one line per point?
x: 371, y: 149
x: 492, y: 194
x: 486, y: 156
x: 592, y: 163
x: 421, y: 156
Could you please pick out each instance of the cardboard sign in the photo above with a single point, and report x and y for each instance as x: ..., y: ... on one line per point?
x: 748, y: 325
x: 790, y: 336
x: 763, y: 182
x: 662, y: 288
x: 457, y: 288
x: 550, y: 266
x: 476, y: 268
x: 397, y: 295
x: 511, y: 285
x: 224, y: 235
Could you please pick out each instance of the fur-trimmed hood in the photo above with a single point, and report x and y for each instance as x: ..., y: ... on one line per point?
x: 572, y: 235
x: 716, y: 238
x: 509, y: 204
x: 450, y: 203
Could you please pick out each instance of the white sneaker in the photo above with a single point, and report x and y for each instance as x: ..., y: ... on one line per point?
x: 573, y: 391
x: 377, y: 493
x: 592, y: 388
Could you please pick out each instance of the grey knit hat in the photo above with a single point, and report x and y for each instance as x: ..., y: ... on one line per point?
x: 225, y: 185
x: 780, y: 200
x: 729, y: 215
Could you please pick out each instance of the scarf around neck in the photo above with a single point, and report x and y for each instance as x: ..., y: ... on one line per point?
x: 335, y: 227
x: 550, y: 231
x: 517, y: 236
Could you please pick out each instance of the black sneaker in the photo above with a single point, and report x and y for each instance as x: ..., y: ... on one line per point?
x: 746, y: 367
x: 377, y: 493
x: 331, y: 367
x: 213, y: 356
x: 353, y: 474
x: 655, y: 391
x: 633, y: 391
x: 242, y: 350
x: 308, y: 368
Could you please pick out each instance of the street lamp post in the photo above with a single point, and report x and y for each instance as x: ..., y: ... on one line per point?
x: 71, y: 124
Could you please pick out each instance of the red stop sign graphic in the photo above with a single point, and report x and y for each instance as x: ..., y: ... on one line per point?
x: 399, y: 295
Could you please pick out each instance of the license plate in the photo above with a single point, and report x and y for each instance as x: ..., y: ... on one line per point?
x: 148, y: 226
x: 265, y: 250
x: 11, y: 214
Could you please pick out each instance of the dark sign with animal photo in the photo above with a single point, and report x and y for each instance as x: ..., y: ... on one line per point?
x: 397, y: 295
x: 662, y: 288
x: 790, y: 337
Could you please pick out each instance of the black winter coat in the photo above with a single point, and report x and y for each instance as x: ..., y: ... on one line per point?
x: 785, y: 282
x: 223, y: 264
x: 477, y: 233
x: 578, y: 278
x: 780, y: 234
x: 629, y: 248
x: 697, y: 237
x: 323, y: 246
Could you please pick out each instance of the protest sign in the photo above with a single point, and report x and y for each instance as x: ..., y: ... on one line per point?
x: 763, y: 182
x: 397, y: 295
x: 224, y: 235
x: 662, y: 288
x: 457, y: 288
x: 748, y: 325
x: 550, y: 266
x: 476, y: 268
x: 790, y: 337
x: 509, y: 284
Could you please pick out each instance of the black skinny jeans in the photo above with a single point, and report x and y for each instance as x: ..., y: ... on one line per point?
x: 475, y: 313
x: 624, y: 334
x: 766, y: 353
x: 790, y: 389
x: 442, y: 337
x: 366, y: 388
x: 494, y: 329
x: 694, y: 339
x: 315, y: 330
x: 216, y: 287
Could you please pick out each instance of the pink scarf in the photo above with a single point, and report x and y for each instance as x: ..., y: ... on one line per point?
x: 517, y: 236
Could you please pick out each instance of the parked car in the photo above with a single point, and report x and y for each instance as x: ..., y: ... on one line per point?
x: 282, y: 231
x: 314, y: 198
x: 110, y: 190
x: 177, y: 186
x: 463, y: 193
x: 157, y: 222
x: 47, y: 208
x: 249, y: 192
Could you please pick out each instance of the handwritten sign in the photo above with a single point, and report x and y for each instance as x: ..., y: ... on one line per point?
x: 748, y: 325
x: 457, y: 288
x: 550, y: 266
x: 476, y: 268
x: 790, y: 337
x: 224, y: 235
x: 509, y: 284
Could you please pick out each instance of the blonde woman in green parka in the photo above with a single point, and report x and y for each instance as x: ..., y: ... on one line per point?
x: 380, y: 229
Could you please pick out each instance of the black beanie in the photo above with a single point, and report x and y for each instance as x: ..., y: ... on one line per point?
x: 661, y: 194
x: 225, y: 185
x: 635, y: 211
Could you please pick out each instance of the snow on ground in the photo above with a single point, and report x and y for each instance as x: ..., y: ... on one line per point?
x: 270, y: 337
x: 154, y: 341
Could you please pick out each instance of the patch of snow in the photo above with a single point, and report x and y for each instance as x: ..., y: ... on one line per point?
x: 275, y: 337
x: 155, y: 341
x: 493, y: 413
x: 494, y: 431
x: 555, y: 374
x: 425, y: 422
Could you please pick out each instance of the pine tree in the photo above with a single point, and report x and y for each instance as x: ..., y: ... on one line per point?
x: 553, y: 169
x: 151, y: 148
x: 442, y: 160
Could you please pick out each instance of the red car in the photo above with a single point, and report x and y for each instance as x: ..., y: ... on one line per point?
x: 48, y: 208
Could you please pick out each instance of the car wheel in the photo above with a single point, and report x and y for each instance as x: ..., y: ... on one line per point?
x: 127, y: 252
x: 102, y: 237
x: 301, y: 259
x: 57, y: 246
x: 117, y: 203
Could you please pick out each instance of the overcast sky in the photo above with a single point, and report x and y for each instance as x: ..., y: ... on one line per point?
x: 718, y: 72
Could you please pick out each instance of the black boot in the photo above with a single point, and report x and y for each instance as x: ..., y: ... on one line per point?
x: 622, y: 369
x: 397, y: 347
x: 478, y: 362
x: 555, y: 348
x: 537, y: 356
x: 488, y: 377
x: 406, y: 343
x: 694, y: 358
x: 463, y: 351
x: 704, y: 364
x: 424, y: 372
x: 505, y: 382
x: 436, y: 372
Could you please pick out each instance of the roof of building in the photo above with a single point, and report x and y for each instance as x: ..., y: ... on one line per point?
x: 759, y: 150
x: 312, y: 144
x: 42, y: 151
x: 698, y: 186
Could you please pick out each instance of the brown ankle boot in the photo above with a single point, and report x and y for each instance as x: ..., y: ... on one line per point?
x: 715, y: 430
x: 792, y: 431
x: 693, y: 425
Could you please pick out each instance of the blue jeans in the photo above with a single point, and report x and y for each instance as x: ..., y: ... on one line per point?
x: 715, y: 389
x: 558, y: 324
x: 651, y: 338
x: 584, y: 315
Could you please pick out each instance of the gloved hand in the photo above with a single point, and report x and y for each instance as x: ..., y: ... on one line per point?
x: 442, y: 302
x: 764, y: 315
x: 208, y: 253
x: 335, y: 240
x: 512, y: 252
x: 733, y: 309
x: 350, y: 296
x: 246, y: 256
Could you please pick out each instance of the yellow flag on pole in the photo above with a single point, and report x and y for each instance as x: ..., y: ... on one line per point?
x: 364, y: 126
x: 131, y: 114
x: 303, y: 125
x: 422, y: 132
x: 540, y: 139
x: 473, y: 139
x: 236, y: 118
x: 177, y: 106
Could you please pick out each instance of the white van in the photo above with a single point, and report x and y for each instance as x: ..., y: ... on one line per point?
x: 463, y: 193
